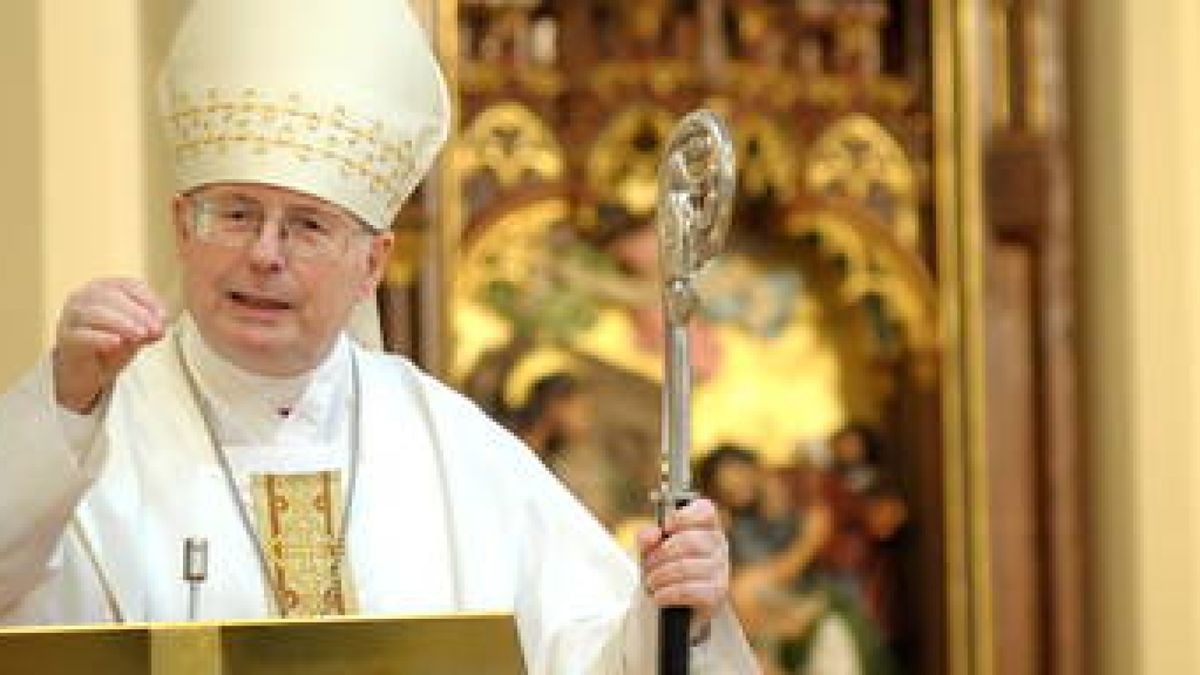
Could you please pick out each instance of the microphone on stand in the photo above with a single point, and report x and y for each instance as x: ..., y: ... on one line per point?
x: 195, y: 571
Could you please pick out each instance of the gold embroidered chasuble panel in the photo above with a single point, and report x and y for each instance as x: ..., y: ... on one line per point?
x: 299, y: 517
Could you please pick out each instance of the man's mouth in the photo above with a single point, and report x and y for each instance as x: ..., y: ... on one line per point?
x: 253, y: 301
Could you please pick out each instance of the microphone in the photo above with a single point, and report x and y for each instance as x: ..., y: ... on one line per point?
x: 195, y: 571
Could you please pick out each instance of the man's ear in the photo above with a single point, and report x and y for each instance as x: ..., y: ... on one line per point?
x: 179, y: 215
x: 378, y: 257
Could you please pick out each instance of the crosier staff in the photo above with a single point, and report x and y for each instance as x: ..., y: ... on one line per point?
x: 695, y: 200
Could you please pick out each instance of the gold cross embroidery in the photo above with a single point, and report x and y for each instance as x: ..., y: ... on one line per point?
x: 298, y: 518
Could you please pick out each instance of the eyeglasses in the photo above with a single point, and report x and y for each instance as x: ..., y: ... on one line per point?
x: 237, y: 221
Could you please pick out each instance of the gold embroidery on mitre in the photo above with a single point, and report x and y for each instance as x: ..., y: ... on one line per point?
x: 299, y: 521
x: 388, y: 160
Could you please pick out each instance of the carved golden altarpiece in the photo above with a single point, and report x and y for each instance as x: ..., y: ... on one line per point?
x: 895, y: 254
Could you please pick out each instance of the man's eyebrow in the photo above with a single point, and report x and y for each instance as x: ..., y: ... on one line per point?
x: 233, y: 194
x: 313, y: 209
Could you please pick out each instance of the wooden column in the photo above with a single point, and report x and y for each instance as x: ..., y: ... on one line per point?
x: 1036, y: 472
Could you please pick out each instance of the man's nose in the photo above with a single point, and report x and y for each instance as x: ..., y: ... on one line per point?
x: 266, y: 251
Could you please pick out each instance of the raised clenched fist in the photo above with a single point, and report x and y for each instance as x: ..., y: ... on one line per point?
x: 101, y: 328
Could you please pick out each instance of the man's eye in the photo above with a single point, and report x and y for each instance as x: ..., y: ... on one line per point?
x: 310, y: 226
x: 235, y: 214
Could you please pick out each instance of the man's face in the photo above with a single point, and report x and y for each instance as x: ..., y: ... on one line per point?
x: 736, y: 484
x: 848, y: 448
x: 570, y: 413
x: 270, y: 305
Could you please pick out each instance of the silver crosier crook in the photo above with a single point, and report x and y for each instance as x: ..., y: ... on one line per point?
x: 697, y: 179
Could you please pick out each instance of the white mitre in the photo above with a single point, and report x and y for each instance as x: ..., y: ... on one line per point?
x: 340, y: 99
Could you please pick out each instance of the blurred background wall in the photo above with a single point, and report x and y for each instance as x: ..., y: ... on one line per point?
x: 76, y: 168
x: 21, y: 264
x: 1137, y: 143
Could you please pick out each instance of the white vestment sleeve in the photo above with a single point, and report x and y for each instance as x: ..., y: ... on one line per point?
x: 725, y: 650
x: 580, y: 605
x: 49, y: 458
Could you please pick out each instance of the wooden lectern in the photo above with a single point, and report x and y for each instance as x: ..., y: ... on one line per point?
x: 460, y: 644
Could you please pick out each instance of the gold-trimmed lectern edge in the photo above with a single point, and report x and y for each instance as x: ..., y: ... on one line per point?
x: 475, y: 643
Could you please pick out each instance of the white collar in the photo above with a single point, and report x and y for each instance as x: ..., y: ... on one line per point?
x: 262, y: 409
